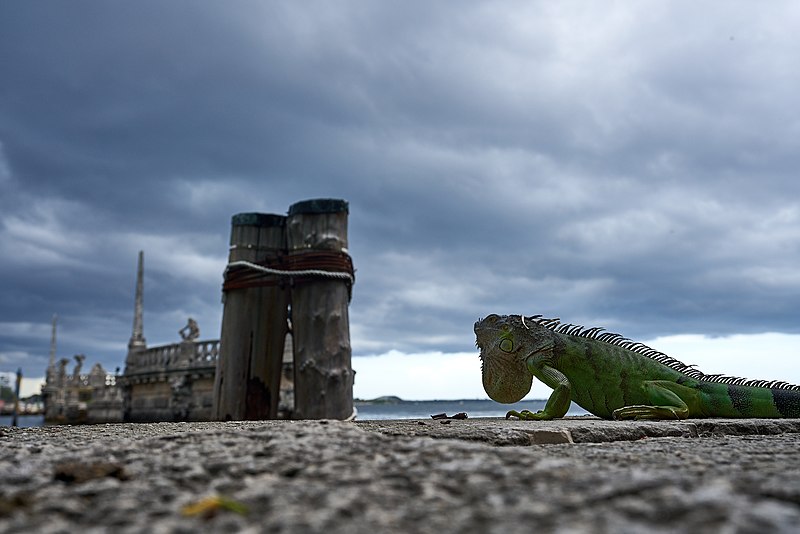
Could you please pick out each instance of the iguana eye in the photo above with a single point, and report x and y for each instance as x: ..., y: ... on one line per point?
x: 506, y: 345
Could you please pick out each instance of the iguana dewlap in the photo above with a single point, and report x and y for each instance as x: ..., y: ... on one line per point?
x: 611, y: 376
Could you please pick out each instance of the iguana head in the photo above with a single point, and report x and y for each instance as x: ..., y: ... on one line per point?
x: 506, y: 342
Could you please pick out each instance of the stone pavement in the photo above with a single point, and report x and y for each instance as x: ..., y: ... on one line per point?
x: 474, y: 475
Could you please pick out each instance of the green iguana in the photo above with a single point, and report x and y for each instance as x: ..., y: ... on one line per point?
x: 611, y: 376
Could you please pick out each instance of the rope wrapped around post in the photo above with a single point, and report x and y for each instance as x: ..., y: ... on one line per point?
x: 298, y: 267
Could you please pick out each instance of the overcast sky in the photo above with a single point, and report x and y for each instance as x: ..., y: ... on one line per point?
x: 632, y: 165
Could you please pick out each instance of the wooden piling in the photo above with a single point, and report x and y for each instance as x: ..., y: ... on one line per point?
x: 254, y: 323
x: 323, y: 385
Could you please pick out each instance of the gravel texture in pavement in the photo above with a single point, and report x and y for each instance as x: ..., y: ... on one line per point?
x: 475, y: 475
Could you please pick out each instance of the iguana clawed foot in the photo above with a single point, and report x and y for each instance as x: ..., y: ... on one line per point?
x: 529, y: 415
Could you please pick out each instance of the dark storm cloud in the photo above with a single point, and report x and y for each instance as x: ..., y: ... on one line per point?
x: 632, y: 167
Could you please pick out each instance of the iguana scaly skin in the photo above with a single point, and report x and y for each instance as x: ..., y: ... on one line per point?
x: 611, y: 376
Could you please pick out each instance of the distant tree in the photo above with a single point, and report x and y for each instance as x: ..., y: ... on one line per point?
x: 6, y: 393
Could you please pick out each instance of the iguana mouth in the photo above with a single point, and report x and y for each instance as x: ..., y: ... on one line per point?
x: 540, y: 350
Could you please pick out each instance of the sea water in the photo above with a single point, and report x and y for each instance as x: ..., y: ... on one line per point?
x: 407, y: 409
x: 23, y: 421
x: 424, y: 409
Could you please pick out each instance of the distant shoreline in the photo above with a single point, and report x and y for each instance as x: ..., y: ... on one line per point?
x: 392, y: 399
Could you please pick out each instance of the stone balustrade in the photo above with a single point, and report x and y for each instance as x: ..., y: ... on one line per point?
x: 79, y: 381
x: 186, y: 355
x: 207, y: 353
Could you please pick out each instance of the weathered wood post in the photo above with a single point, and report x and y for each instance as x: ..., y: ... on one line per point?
x: 317, y: 238
x: 254, y: 321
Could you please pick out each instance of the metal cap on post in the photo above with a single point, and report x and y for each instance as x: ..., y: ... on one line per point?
x: 254, y: 322
x: 316, y: 233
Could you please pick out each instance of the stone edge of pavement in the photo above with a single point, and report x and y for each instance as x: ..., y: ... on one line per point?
x: 501, y: 432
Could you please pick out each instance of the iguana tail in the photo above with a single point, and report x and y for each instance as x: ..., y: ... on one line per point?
x: 738, y: 400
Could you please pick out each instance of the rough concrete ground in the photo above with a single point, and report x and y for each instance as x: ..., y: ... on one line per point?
x: 475, y: 475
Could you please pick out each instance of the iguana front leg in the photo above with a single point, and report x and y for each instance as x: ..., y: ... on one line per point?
x: 667, y: 399
x: 558, y: 402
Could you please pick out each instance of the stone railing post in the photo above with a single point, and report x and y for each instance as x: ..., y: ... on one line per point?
x: 320, y: 319
x: 186, y: 353
x: 254, y: 324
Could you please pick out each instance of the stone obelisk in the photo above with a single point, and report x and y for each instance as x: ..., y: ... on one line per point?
x: 137, y: 342
x: 53, y: 344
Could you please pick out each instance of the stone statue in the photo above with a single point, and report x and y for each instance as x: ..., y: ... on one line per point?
x: 191, y: 331
x: 76, y: 373
x: 79, y: 358
x: 62, y: 372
